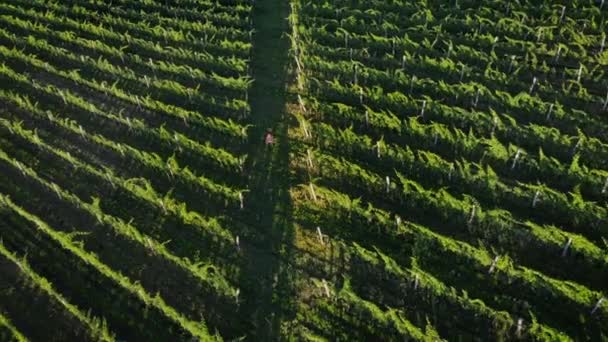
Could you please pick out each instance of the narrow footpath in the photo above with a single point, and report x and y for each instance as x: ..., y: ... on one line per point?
x: 266, y: 281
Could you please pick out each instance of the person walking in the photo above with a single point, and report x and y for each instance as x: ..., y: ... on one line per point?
x: 269, y: 138
x: 268, y: 141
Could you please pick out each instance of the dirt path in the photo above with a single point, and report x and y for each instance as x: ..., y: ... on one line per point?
x: 266, y: 280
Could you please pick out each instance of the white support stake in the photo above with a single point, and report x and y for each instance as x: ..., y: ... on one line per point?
x: 450, y: 172
x: 516, y: 159
x: 462, y: 72
x: 110, y: 180
x: 534, y: 81
x: 494, y: 124
x: 301, y: 102
x: 549, y: 112
x: 597, y: 305
x: 493, y: 266
x: 520, y: 325
x: 575, y: 148
x: 309, y: 159
x: 320, y: 234
x: 511, y: 63
x: 312, y: 192
x: 307, y: 133
x: 472, y: 216
x: 361, y: 96
x: 412, y: 80
x: 536, y: 198
x: 327, y: 293
x: 566, y: 247
x: 423, y: 108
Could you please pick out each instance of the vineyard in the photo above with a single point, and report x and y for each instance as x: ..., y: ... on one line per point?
x: 439, y: 170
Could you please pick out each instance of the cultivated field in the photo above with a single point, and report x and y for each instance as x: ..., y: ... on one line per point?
x: 439, y: 171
